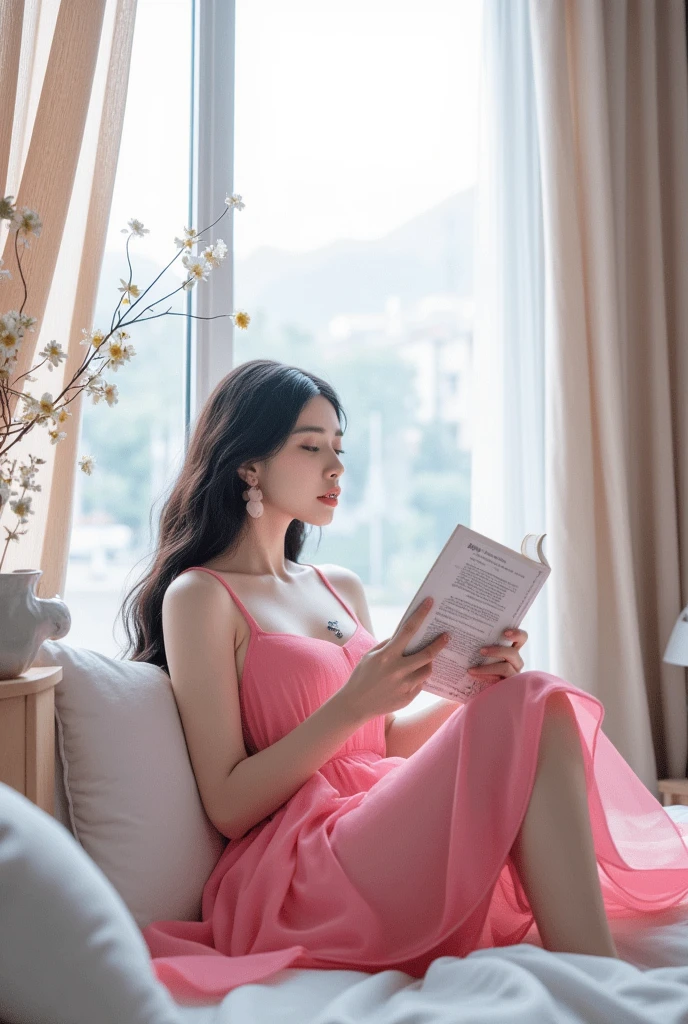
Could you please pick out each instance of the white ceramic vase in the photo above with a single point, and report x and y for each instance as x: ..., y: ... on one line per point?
x: 27, y: 620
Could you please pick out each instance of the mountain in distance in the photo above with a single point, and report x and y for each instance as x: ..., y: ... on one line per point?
x: 430, y: 254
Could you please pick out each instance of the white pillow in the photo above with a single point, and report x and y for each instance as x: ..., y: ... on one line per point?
x: 71, y: 951
x: 131, y: 791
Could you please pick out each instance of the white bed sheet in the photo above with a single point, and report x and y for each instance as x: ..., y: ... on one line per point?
x: 522, y: 984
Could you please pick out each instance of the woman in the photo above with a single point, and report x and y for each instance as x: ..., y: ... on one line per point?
x: 358, y: 840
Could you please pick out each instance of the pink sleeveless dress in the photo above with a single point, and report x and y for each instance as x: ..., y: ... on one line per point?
x: 386, y: 862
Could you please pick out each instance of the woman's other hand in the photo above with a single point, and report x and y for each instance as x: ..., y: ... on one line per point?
x: 511, y: 664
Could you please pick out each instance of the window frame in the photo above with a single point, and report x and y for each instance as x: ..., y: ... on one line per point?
x: 210, y: 342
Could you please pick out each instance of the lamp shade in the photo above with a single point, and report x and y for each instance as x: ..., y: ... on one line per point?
x: 676, y: 652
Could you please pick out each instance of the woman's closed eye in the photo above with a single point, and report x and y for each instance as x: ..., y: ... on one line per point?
x: 314, y: 448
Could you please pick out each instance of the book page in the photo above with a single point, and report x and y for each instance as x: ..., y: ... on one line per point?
x: 480, y: 588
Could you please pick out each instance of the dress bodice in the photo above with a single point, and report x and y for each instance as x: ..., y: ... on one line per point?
x: 287, y: 677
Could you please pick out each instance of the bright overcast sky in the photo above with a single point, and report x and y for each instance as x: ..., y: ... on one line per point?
x: 352, y: 116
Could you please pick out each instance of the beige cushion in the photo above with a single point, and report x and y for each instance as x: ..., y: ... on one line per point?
x: 71, y: 952
x: 130, y: 792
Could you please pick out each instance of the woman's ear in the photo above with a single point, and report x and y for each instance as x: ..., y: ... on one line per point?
x: 243, y: 472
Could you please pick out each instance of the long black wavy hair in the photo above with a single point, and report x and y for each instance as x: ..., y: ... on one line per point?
x: 248, y: 418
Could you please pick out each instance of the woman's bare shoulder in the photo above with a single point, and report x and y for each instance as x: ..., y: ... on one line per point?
x: 349, y: 585
x: 339, y: 573
x: 196, y: 589
x: 193, y: 581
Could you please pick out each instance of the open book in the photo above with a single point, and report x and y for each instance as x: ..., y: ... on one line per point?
x: 479, y: 588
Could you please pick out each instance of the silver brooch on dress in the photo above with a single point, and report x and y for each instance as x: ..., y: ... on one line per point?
x: 333, y: 624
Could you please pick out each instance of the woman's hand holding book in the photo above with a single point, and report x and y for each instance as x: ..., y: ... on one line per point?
x: 385, y: 678
x: 510, y: 663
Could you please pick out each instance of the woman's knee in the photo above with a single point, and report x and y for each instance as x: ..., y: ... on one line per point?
x: 559, y: 724
x: 558, y: 706
x: 558, y: 703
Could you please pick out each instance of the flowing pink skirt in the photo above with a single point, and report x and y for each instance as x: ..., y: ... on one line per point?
x: 414, y: 863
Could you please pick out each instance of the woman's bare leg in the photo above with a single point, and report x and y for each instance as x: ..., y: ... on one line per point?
x: 554, y: 852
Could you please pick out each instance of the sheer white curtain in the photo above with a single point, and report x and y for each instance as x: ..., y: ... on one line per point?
x: 508, y: 466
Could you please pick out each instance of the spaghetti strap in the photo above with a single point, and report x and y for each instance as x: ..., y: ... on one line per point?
x: 247, y: 615
x: 327, y: 583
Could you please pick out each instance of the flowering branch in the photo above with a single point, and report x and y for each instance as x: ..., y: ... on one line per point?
x: 109, y: 349
x: 124, y: 291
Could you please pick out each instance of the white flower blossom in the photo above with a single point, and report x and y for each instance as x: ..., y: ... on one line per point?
x: 215, y: 254
x: 188, y: 241
x: 47, y: 404
x: 11, y: 334
x: 241, y: 319
x: 22, y: 508
x: 99, y: 389
x: 53, y: 352
x: 119, y: 353
x: 94, y: 337
x: 135, y: 227
x: 131, y: 291
x: 110, y: 394
x: 28, y: 323
x: 197, y: 267
x: 7, y: 210
x: 26, y: 222
x: 40, y: 408
x: 56, y: 436
x: 32, y: 409
x: 234, y: 202
x: 86, y: 464
x: 26, y: 474
x: 4, y: 274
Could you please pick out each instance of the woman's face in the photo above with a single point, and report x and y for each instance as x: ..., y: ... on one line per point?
x: 307, y: 466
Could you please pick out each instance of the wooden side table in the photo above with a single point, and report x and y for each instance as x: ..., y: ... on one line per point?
x: 674, y: 791
x: 27, y: 734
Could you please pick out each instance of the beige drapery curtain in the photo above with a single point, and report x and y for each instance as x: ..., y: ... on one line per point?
x: 64, y: 68
x: 612, y: 107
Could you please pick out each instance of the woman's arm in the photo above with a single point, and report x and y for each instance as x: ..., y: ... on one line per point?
x: 406, y: 733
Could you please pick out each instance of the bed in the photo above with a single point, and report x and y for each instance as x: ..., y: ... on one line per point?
x: 518, y: 983
x: 106, y: 803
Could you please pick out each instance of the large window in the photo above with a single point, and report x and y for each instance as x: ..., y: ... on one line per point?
x: 356, y: 154
x: 138, y: 443
x: 355, y: 149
